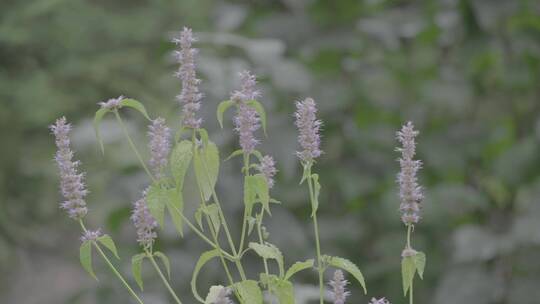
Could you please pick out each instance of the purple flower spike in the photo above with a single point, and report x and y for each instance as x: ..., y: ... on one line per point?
x: 246, y: 121
x: 91, y: 235
x: 268, y: 168
x: 190, y: 96
x: 144, y: 223
x: 410, y: 193
x: 308, y: 127
x: 71, y: 181
x: 248, y: 90
x: 339, y: 284
x: 379, y: 301
x: 159, y: 145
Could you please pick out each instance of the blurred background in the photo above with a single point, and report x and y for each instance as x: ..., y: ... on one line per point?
x: 467, y: 72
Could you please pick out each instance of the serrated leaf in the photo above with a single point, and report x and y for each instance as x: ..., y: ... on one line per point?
x: 297, y: 267
x: 213, y: 294
x: 249, y: 292
x: 175, y: 205
x: 316, y: 190
x: 97, y: 119
x: 235, y: 154
x: 156, y: 199
x: 206, y: 163
x: 260, y: 110
x: 420, y: 263
x: 165, y: 261
x: 282, y: 289
x: 135, y: 104
x: 136, y: 268
x: 85, y: 256
x: 108, y: 242
x: 408, y: 269
x: 269, y: 251
x: 222, y: 107
x: 203, y: 259
x: 350, y: 267
x: 212, y: 211
x: 180, y: 160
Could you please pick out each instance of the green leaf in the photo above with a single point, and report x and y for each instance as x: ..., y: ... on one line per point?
x: 206, y: 163
x: 256, y: 186
x: 203, y: 259
x: 297, y: 267
x: 204, y: 136
x: 408, y: 269
x: 250, y: 193
x: 134, y: 104
x: 212, y: 211
x: 97, y: 119
x: 249, y: 292
x: 165, y: 261
x: 85, y: 257
x: 156, y: 199
x: 222, y: 107
x: 198, y: 217
x: 316, y: 190
x: 175, y: 206
x: 108, y: 242
x: 251, y: 224
x: 213, y: 294
x: 136, y: 268
x: 350, y: 267
x: 420, y: 263
x: 180, y: 160
x: 269, y: 251
x: 260, y: 110
x: 282, y: 289
x: 235, y: 154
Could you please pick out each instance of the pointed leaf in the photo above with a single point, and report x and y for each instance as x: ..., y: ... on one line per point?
x: 408, y: 269
x: 269, y: 251
x: 212, y: 211
x: 297, y: 267
x: 97, y: 119
x: 206, y: 163
x: 260, y: 110
x: 198, y: 217
x: 175, y: 206
x: 85, y: 257
x: 203, y: 259
x: 134, y: 104
x: 282, y: 289
x: 350, y: 267
x: 262, y: 190
x: 251, y: 224
x: 249, y: 292
x: 136, y: 268
x: 157, y: 198
x: 165, y: 261
x: 108, y: 242
x: 222, y: 107
x: 316, y: 190
x: 420, y: 263
x: 235, y: 154
x: 180, y: 160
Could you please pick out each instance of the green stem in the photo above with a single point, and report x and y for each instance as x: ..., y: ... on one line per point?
x: 411, y: 293
x: 171, y: 291
x: 111, y: 266
x: 261, y: 241
x: 409, y: 228
x: 132, y: 145
x: 317, y: 242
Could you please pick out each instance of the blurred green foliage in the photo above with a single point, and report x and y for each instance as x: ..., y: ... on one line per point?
x: 467, y: 72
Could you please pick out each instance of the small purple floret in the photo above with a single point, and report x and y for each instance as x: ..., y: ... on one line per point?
x: 159, y: 145
x: 308, y: 127
x: 144, y: 223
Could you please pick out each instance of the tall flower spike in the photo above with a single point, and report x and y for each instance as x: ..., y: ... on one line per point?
x: 190, y: 96
x: 246, y: 120
x: 379, y: 301
x: 268, y: 168
x: 144, y: 222
x: 71, y: 181
x: 339, y: 284
x: 223, y: 296
x: 159, y: 145
x: 308, y: 126
x: 410, y: 193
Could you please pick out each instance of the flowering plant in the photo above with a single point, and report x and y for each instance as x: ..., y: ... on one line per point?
x: 192, y: 149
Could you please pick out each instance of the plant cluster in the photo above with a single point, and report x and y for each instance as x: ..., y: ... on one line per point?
x: 172, y: 157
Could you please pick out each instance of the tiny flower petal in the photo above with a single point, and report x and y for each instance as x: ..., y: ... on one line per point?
x: 339, y: 284
x: 410, y: 192
x: 72, y: 184
x: 308, y: 128
x: 159, y: 145
x: 144, y: 222
x: 268, y: 168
